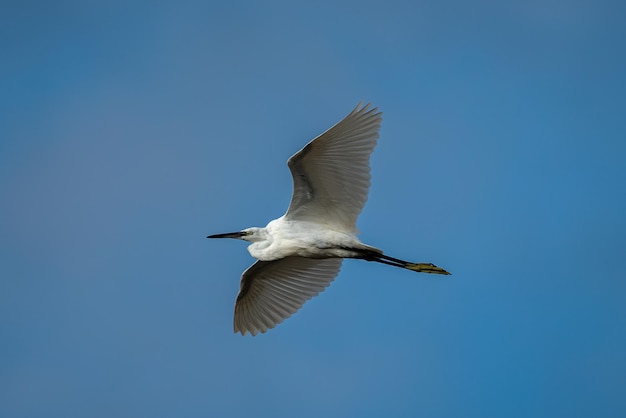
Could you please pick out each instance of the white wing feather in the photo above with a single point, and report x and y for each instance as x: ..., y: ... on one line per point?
x: 331, y: 174
x: 272, y: 291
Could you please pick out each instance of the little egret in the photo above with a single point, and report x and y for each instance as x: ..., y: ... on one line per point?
x: 300, y: 253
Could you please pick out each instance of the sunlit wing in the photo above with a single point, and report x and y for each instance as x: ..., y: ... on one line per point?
x: 331, y: 174
x: 272, y: 291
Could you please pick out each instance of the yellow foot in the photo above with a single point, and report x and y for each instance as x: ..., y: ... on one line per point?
x: 426, y: 268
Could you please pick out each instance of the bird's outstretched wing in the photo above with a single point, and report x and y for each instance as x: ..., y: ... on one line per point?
x: 272, y: 291
x: 331, y: 174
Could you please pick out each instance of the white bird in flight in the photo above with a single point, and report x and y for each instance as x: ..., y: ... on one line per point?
x: 300, y: 253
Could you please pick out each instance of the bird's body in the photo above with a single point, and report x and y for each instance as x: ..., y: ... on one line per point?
x: 284, y: 238
x: 301, y: 252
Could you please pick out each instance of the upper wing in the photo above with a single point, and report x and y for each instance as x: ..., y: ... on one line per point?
x: 272, y: 291
x: 331, y: 174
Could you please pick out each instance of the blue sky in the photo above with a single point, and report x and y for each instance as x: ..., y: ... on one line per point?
x: 131, y: 130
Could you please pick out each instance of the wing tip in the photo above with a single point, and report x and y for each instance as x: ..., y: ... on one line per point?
x: 366, y: 109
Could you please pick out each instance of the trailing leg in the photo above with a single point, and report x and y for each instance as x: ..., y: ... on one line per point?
x: 419, y: 267
x: 396, y: 262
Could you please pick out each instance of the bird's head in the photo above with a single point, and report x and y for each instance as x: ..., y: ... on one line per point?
x: 253, y: 234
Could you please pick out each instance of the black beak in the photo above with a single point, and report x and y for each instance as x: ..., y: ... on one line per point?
x: 229, y: 235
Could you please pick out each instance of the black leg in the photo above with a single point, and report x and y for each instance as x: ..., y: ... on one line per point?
x: 419, y: 267
x: 396, y: 262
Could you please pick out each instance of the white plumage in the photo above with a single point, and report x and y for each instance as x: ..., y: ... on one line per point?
x: 301, y: 252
